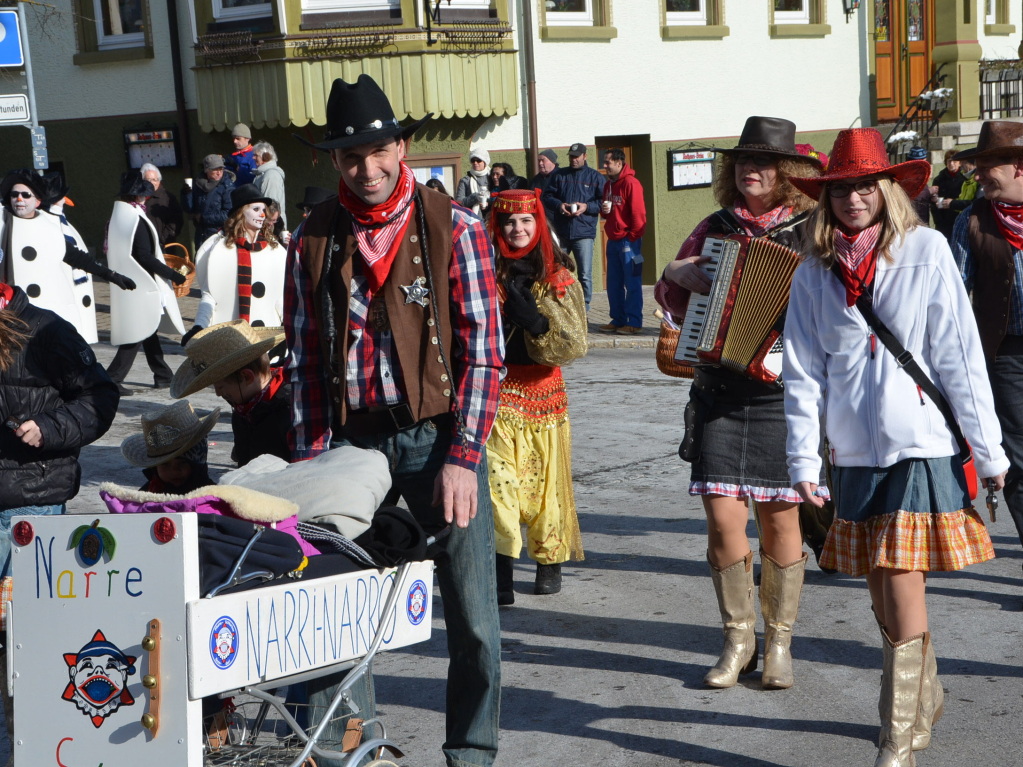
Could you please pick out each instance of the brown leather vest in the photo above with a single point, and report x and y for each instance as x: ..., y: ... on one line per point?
x: 993, y: 276
x: 413, y: 327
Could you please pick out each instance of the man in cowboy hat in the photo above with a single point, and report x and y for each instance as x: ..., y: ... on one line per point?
x: 987, y: 242
x: 233, y: 357
x: 403, y: 353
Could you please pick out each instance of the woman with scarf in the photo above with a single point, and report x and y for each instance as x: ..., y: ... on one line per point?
x: 902, y: 500
x: 735, y: 426
x: 145, y: 249
x: 240, y: 270
x: 473, y: 191
x: 529, y: 452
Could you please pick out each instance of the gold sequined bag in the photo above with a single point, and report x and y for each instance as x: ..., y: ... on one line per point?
x: 565, y: 310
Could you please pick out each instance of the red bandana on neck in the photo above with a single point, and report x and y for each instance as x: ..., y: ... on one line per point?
x: 268, y: 393
x: 757, y: 226
x: 379, y: 228
x: 6, y: 294
x: 857, y: 258
x: 1010, y: 223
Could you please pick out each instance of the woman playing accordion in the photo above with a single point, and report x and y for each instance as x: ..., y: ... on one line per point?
x: 735, y: 426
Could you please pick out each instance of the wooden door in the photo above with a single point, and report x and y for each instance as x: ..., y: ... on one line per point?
x: 903, y: 38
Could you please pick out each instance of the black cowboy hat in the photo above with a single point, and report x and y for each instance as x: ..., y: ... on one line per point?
x: 360, y: 114
x: 314, y: 195
x: 25, y: 176
x: 768, y: 135
x: 246, y: 194
x: 133, y: 185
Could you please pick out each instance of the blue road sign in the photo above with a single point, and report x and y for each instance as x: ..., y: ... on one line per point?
x: 11, y: 52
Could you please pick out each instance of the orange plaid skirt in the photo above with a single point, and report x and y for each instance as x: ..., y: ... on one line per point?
x: 914, y: 515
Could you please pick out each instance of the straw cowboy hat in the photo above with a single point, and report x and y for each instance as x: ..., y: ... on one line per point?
x: 769, y: 135
x: 860, y: 152
x: 997, y: 137
x: 166, y: 434
x: 360, y: 113
x: 218, y: 351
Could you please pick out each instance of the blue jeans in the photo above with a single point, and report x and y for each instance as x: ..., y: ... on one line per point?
x: 625, y: 282
x: 582, y: 252
x: 7, y: 522
x: 1006, y: 374
x: 468, y: 590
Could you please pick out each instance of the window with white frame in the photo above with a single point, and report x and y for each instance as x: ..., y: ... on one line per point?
x: 990, y: 12
x: 791, y: 11
x: 472, y: 5
x: 685, y: 11
x: 120, y: 24
x: 349, y: 6
x: 224, y: 10
x: 568, y: 12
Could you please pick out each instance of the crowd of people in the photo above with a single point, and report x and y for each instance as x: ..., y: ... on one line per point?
x: 433, y: 330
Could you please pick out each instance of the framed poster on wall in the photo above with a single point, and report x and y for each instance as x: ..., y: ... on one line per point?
x: 446, y: 168
x: 690, y: 168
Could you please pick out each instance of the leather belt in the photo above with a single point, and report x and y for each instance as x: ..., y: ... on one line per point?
x: 382, y: 420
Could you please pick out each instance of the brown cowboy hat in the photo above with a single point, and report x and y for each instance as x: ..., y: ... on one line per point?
x: 860, y: 152
x: 997, y: 137
x: 768, y: 135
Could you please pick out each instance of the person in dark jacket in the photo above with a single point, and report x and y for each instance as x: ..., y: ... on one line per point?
x: 548, y: 163
x: 55, y: 399
x: 233, y: 357
x: 208, y: 200
x: 946, y: 186
x: 574, y: 195
x: 503, y: 178
x: 135, y: 191
x: 162, y: 208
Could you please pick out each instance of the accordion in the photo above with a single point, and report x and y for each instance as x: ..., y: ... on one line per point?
x: 738, y: 325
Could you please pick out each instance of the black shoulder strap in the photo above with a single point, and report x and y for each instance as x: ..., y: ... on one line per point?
x: 865, y: 303
x: 724, y: 223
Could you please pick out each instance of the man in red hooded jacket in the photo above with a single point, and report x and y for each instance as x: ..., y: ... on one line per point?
x: 624, y: 214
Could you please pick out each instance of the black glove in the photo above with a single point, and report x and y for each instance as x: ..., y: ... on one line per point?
x: 177, y: 278
x: 520, y: 309
x: 188, y: 336
x: 124, y: 283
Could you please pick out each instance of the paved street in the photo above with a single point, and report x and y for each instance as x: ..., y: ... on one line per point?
x: 609, y: 672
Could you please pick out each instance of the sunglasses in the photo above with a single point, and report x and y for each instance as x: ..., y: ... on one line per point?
x: 862, y: 188
x: 760, y: 160
x: 23, y: 195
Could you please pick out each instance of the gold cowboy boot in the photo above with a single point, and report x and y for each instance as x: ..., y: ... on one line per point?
x: 734, y: 587
x: 780, y: 588
x: 932, y: 697
x: 932, y: 700
x: 901, y: 683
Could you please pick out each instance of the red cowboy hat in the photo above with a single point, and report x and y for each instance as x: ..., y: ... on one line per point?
x: 860, y: 152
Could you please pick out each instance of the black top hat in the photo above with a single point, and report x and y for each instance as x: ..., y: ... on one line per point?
x: 133, y: 185
x: 314, y: 195
x: 360, y: 114
x: 246, y: 194
x: 769, y: 135
x: 25, y: 176
x: 55, y: 188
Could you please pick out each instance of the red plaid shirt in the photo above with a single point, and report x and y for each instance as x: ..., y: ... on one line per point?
x: 372, y: 370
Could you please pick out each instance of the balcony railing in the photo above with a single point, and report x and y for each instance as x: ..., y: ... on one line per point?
x: 1001, y: 89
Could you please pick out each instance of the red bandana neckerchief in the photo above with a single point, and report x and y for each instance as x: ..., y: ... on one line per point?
x: 1010, y: 223
x: 245, y: 251
x: 268, y: 393
x: 379, y: 228
x: 6, y: 295
x: 857, y: 258
x: 758, y: 226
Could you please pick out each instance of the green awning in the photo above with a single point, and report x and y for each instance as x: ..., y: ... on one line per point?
x: 280, y: 93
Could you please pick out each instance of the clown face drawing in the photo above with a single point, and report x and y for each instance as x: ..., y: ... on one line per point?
x: 99, y: 678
